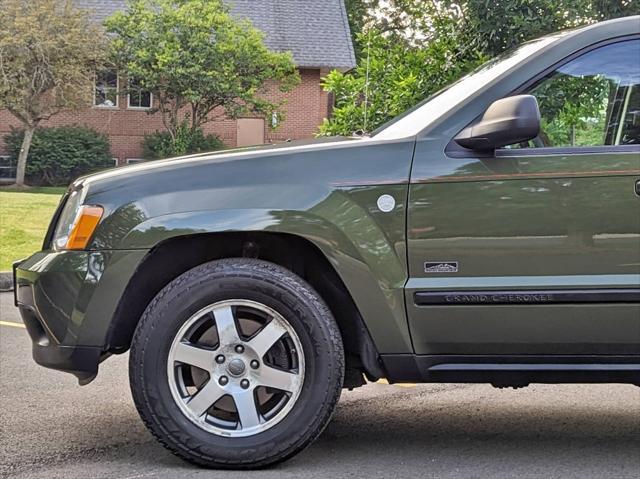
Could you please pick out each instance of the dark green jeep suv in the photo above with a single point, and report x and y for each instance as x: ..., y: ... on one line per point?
x: 491, y: 234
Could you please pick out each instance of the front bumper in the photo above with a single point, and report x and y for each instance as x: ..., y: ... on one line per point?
x: 67, y: 301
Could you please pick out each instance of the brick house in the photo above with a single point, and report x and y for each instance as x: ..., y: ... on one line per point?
x: 316, y: 32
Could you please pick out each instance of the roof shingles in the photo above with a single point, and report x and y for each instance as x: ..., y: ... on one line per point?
x: 316, y: 32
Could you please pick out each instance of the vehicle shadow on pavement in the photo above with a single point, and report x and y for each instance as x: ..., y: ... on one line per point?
x: 552, y: 430
x: 472, y: 430
x: 422, y: 431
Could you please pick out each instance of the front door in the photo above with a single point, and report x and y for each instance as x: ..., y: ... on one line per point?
x: 537, y: 250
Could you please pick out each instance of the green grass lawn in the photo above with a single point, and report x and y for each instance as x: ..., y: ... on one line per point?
x: 24, y: 218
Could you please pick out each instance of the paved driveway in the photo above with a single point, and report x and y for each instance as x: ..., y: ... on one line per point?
x: 52, y: 428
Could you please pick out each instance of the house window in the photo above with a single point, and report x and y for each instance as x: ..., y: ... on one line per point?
x: 138, y: 97
x: 106, y: 91
x: 7, y: 168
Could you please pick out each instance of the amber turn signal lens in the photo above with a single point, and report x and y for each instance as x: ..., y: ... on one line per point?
x: 88, y: 219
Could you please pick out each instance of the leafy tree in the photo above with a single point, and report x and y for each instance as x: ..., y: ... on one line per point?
x: 160, y: 145
x: 358, y: 14
x: 409, y: 19
x: 197, y: 60
x: 497, y: 25
x: 493, y: 25
x: 48, y: 54
x: 399, y: 76
x: 60, y: 154
x: 415, y: 47
x: 409, y: 51
x: 573, y: 109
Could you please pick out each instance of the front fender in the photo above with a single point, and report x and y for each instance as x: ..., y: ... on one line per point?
x: 365, y: 246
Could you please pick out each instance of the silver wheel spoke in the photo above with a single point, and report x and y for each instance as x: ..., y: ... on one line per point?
x: 275, y: 378
x: 226, y: 326
x: 267, y: 337
x: 246, y: 407
x: 235, y: 368
x: 205, y: 398
x: 194, y: 356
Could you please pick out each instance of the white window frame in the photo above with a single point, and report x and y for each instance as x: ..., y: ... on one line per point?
x: 129, y: 107
x: 133, y: 161
x: 107, y: 107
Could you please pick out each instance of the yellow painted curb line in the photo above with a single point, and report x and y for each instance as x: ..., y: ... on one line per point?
x: 12, y: 324
x: 402, y: 385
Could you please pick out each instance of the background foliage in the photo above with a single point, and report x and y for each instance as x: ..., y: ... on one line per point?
x: 200, y: 62
x: 414, y: 48
x: 573, y: 110
x: 58, y: 155
x: 49, y: 52
x: 160, y: 145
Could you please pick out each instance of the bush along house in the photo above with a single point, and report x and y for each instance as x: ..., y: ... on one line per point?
x: 317, y: 34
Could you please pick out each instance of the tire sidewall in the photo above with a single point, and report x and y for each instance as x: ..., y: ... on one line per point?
x: 208, y: 284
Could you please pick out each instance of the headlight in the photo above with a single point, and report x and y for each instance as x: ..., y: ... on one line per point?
x: 76, y: 224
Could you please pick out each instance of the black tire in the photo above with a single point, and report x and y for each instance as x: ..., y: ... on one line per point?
x: 253, y: 280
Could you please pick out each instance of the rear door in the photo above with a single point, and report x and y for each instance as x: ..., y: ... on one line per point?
x: 536, y: 250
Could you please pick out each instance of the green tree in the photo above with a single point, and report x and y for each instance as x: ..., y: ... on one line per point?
x: 49, y: 52
x: 497, y: 25
x: 359, y: 16
x: 571, y: 106
x: 413, y: 48
x: 199, y: 61
x: 398, y: 77
x: 409, y: 50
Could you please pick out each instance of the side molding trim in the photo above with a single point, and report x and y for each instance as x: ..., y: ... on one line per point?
x: 566, y: 296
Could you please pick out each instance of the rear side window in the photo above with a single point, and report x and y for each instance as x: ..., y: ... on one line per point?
x: 593, y: 100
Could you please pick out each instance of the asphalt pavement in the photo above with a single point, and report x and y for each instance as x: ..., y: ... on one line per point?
x: 52, y: 428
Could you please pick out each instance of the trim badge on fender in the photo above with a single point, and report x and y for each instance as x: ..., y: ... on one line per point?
x: 441, y: 267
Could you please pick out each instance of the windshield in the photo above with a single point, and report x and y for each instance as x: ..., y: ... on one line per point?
x: 411, y: 122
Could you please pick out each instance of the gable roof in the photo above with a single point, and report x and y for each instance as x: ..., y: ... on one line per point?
x: 316, y: 32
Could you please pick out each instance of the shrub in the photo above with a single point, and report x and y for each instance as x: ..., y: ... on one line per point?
x: 61, y: 154
x: 160, y: 145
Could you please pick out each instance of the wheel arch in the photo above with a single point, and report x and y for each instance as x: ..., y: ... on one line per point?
x: 176, y: 255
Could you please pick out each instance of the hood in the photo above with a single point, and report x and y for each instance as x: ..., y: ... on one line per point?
x: 268, y: 150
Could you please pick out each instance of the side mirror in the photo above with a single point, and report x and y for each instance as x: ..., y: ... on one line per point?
x: 507, y: 121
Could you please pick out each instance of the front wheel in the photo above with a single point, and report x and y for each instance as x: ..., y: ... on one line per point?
x: 237, y: 363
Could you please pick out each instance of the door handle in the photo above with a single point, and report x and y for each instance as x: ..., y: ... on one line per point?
x: 637, y: 188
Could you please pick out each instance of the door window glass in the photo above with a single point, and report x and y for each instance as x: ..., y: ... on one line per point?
x: 593, y: 100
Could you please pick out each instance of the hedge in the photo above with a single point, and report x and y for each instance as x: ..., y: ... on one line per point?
x: 59, y: 155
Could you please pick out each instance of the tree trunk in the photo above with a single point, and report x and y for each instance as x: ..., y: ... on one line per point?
x: 194, y: 120
x: 24, y: 153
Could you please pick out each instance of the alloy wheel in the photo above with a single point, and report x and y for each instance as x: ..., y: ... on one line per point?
x: 236, y: 368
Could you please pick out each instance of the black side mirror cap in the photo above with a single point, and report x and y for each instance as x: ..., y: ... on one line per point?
x: 507, y: 121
